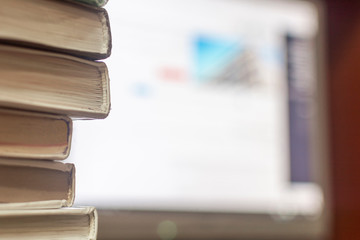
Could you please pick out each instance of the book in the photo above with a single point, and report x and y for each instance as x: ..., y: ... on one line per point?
x: 36, y: 184
x: 34, y: 135
x: 97, y: 3
x: 52, y: 82
x: 65, y: 223
x: 60, y: 26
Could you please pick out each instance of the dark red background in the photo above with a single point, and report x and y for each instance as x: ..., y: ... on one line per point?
x: 343, y: 75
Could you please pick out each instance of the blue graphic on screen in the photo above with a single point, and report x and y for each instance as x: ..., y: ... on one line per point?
x: 141, y: 89
x: 212, y: 55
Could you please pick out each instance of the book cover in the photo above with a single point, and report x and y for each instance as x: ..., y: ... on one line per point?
x: 27, y: 183
x: 59, y: 26
x: 54, y: 83
x: 64, y: 223
x: 32, y: 135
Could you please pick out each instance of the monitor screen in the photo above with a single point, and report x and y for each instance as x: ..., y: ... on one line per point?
x: 212, y: 110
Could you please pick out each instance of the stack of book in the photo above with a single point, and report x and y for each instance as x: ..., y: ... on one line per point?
x: 48, y: 76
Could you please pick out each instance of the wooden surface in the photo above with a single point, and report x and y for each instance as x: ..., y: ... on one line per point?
x: 136, y: 225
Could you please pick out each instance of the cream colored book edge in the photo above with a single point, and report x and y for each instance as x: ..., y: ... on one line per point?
x: 64, y: 223
x: 66, y: 181
x: 49, y: 204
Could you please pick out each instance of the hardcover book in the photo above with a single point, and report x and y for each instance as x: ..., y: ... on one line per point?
x: 64, y: 223
x: 60, y: 26
x: 51, y: 82
x: 33, y: 135
x: 39, y: 184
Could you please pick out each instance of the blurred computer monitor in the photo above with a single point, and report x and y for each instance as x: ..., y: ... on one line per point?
x: 216, y: 121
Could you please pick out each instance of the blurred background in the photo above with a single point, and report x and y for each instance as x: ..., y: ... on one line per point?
x: 225, y: 123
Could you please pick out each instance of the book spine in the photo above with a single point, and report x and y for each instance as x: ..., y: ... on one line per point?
x: 22, y: 135
x: 41, y: 184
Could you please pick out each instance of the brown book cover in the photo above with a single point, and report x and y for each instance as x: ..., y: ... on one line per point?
x: 64, y: 223
x: 36, y: 184
x: 60, y: 26
x: 51, y: 82
x: 34, y: 135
